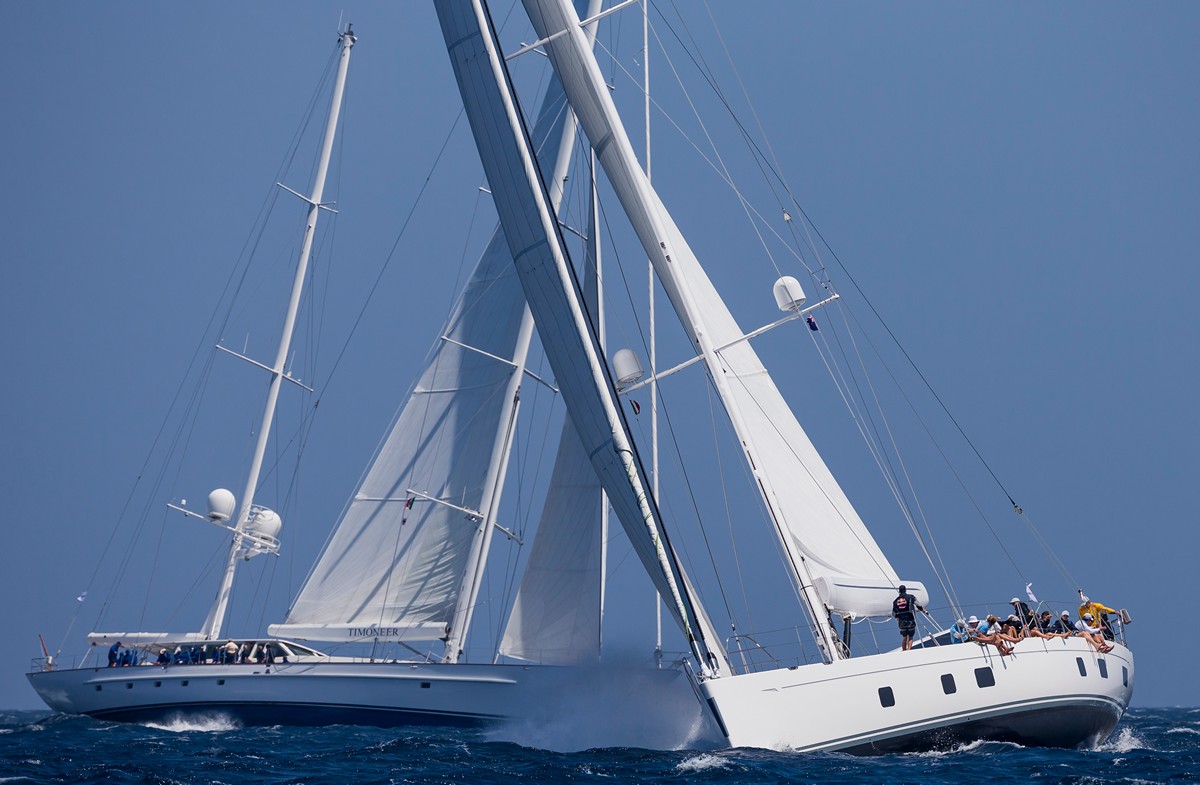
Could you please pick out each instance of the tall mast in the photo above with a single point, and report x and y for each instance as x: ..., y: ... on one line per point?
x: 216, y: 617
x: 653, y: 335
x: 472, y: 581
x: 555, y: 21
x: 594, y: 287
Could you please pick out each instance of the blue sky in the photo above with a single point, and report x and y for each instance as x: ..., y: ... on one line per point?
x: 1014, y: 186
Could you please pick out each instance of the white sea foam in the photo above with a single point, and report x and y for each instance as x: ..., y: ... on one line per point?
x: 204, y: 723
x: 610, y: 706
x: 979, y: 745
x: 1124, y: 741
x: 704, y: 762
x: 1184, y: 730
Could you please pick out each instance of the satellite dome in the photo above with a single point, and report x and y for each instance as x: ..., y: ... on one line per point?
x: 221, y: 505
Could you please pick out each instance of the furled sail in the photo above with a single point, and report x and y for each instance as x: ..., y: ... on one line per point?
x: 820, y: 530
x: 398, y: 561
x: 554, y: 297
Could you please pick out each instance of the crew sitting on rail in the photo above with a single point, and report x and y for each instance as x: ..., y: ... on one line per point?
x: 1086, y: 629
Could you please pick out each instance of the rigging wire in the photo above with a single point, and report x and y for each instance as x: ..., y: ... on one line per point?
x: 769, y: 163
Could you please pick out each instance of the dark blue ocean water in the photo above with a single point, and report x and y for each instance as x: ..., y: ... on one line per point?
x: 1150, y: 745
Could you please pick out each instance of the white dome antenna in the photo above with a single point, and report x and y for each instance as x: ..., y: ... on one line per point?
x: 221, y: 505
x: 789, y: 294
x: 626, y: 367
x: 261, y: 534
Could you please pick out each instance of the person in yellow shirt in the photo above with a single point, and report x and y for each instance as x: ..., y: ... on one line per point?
x: 1097, y: 610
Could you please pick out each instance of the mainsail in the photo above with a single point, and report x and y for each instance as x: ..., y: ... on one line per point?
x: 400, y: 563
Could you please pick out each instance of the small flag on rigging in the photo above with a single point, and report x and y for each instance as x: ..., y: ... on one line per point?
x: 812, y: 323
x: 82, y: 596
x: 637, y: 407
x: 1029, y: 592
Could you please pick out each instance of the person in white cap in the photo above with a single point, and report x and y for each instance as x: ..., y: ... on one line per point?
x: 1087, y: 629
x: 989, y: 633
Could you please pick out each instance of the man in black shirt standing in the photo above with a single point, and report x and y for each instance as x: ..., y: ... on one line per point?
x: 904, y: 608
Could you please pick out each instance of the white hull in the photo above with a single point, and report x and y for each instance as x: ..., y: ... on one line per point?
x: 1049, y: 693
x: 597, y: 706
x: 1039, y: 698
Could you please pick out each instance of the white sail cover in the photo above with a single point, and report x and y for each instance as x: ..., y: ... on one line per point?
x: 809, y: 506
x: 554, y: 298
x: 394, y: 572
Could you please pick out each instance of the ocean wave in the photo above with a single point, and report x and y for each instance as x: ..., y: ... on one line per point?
x: 1184, y: 730
x: 1124, y: 741
x: 203, y: 723
x: 979, y: 746
x: 705, y: 762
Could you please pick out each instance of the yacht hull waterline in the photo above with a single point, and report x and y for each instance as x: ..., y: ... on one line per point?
x: 381, y: 694
x: 1049, y: 693
x: 1042, y: 696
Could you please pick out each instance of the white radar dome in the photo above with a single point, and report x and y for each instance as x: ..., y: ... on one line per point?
x: 221, y: 505
x: 789, y: 294
x: 265, y: 523
x: 627, y: 367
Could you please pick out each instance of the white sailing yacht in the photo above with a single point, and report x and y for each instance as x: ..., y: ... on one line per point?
x: 405, y: 563
x: 403, y: 568
x: 1049, y: 692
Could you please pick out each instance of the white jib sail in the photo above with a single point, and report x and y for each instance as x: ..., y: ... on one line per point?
x: 815, y: 520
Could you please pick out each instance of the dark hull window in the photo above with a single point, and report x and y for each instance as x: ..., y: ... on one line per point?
x: 948, y: 684
x: 1082, y: 667
x: 984, y: 677
x: 886, y: 697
